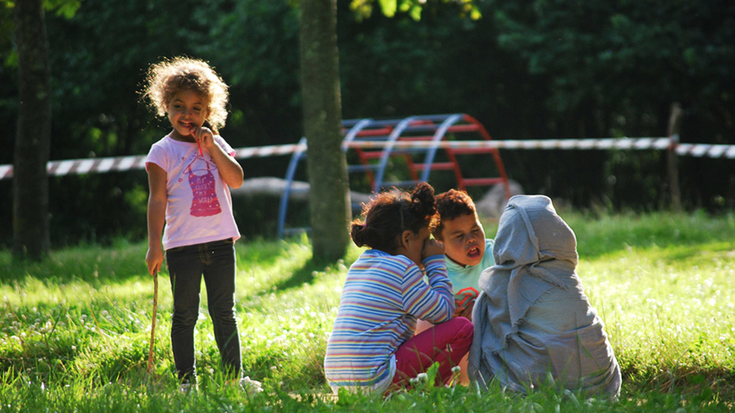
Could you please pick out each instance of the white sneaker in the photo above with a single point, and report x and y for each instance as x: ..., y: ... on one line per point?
x: 252, y: 387
x: 188, y: 387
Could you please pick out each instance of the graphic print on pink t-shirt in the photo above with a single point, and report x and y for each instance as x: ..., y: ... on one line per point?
x: 204, y: 202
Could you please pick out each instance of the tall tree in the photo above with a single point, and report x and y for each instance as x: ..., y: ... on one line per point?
x: 322, y: 110
x: 33, y: 139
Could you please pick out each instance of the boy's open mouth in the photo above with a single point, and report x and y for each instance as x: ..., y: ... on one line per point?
x: 474, y: 252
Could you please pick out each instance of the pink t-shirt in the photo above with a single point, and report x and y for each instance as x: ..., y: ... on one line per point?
x: 199, y: 204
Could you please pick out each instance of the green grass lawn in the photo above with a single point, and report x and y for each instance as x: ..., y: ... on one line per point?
x: 76, y: 328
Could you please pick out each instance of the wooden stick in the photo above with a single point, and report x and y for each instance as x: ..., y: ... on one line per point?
x: 153, y: 322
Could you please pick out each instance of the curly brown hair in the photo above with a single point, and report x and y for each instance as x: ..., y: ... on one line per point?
x: 390, y: 213
x: 170, y: 76
x: 450, y: 205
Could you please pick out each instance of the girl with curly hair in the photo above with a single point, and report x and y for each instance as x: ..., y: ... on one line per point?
x: 190, y: 173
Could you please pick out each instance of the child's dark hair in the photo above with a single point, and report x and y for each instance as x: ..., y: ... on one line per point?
x: 450, y: 205
x: 390, y: 213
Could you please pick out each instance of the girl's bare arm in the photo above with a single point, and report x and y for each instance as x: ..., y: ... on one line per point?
x: 157, y: 199
x: 229, y: 168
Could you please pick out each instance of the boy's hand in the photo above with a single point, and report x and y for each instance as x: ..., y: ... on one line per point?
x: 465, y: 312
x: 432, y: 247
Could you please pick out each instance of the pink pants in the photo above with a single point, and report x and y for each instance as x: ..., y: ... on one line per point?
x: 445, y: 343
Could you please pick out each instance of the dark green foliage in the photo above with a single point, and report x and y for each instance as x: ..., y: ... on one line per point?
x: 614, y: 69
x: 533, y: 69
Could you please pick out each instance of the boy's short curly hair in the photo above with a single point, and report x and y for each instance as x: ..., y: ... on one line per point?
x: 170, y: 76
x: 450, y: 205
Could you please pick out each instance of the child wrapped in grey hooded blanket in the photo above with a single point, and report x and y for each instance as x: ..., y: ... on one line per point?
x: 533, y: 322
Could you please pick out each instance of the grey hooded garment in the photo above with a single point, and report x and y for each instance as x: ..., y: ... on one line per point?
x: 533, y: 322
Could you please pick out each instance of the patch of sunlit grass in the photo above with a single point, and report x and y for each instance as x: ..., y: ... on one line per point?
x: 664, y: 293
x: 76, y: 329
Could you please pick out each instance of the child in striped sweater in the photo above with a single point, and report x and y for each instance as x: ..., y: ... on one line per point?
x: 372, y: 347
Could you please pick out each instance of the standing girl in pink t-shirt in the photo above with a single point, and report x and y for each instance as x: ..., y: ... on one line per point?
x: 190, y: 172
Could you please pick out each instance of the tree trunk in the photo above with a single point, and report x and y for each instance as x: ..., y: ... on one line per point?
x: 322, y: 110
x: 33, y: 139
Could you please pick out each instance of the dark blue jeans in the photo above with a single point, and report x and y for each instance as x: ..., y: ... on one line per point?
x: 186, y: 265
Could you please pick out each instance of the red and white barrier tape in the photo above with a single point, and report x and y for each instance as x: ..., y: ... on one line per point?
x: 607, y: 143
x: 125, y: 163
x: 83, y: 166
x: 265, y: 151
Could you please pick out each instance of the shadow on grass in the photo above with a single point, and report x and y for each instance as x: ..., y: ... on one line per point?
x: 100, y: 265
x: 606, y: 235
x: 699, y: 381
x: 96, y: 265
x: 304, y: 275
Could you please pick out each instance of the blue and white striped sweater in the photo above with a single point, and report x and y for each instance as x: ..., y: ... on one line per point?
x: 382, y: 297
